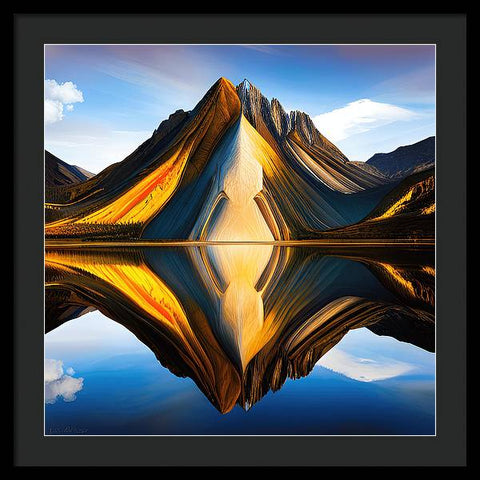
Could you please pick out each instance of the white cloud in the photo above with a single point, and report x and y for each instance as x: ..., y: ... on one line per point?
x: 66, y: 92
x: 53, y: 111
x: 59, y: 384
x: 363, y: 369
x: 53, y: 370
x: 358, y: 117
x: 58, y: 96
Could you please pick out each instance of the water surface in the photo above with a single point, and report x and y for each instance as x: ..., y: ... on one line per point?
x: 240, y: 339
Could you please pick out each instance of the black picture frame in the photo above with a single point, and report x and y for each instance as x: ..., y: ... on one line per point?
x: 447, y: 448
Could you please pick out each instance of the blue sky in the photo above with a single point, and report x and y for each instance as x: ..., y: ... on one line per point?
x: 102, y: 101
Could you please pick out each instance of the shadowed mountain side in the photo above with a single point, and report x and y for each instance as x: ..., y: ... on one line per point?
x: 62, y: 304
x: 59, y: 176
x: 412, y: 277
x: 134, y: 190
x: 408, y: 211
x: 284, y: 315
x: 405, y: 160
x: 370, y: 169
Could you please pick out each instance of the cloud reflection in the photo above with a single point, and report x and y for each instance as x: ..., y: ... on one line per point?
x: 363, y: 369
x: 60, y: 384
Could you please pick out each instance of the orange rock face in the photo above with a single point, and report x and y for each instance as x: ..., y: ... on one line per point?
x: 157, y: 167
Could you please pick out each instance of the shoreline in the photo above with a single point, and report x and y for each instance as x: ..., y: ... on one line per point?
x: 337, y: 242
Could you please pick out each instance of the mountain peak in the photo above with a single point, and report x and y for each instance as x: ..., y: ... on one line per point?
x: 223, y: 81
x: 258, y: 110
x: 245, y: 84
x: 222, y: 89
x: 222, y: 84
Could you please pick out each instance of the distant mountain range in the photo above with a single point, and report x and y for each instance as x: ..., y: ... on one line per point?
x: 404, y: 160
x: 236, y: 167
x: 60, y: 173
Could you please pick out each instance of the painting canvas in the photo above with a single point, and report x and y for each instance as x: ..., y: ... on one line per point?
x: 239, y: 240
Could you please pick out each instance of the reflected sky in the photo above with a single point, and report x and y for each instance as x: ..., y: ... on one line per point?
x: 365, y: 385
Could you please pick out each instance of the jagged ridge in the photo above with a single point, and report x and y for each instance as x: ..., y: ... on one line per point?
x: 295, y: 136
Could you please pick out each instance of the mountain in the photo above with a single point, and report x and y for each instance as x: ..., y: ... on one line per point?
x: 370, y: 169
x: 408, y: 211
x: 405, y: 160
x: 60, y: 173
x: 236, y: 167
x: 130, y: 193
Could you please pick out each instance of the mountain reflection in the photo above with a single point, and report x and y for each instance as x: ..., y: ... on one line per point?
x: 240, y: 319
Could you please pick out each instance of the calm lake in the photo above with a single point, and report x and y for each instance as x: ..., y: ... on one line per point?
x: 240, y: 340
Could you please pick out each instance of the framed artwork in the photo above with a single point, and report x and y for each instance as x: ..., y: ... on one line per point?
x: 240, y: 240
